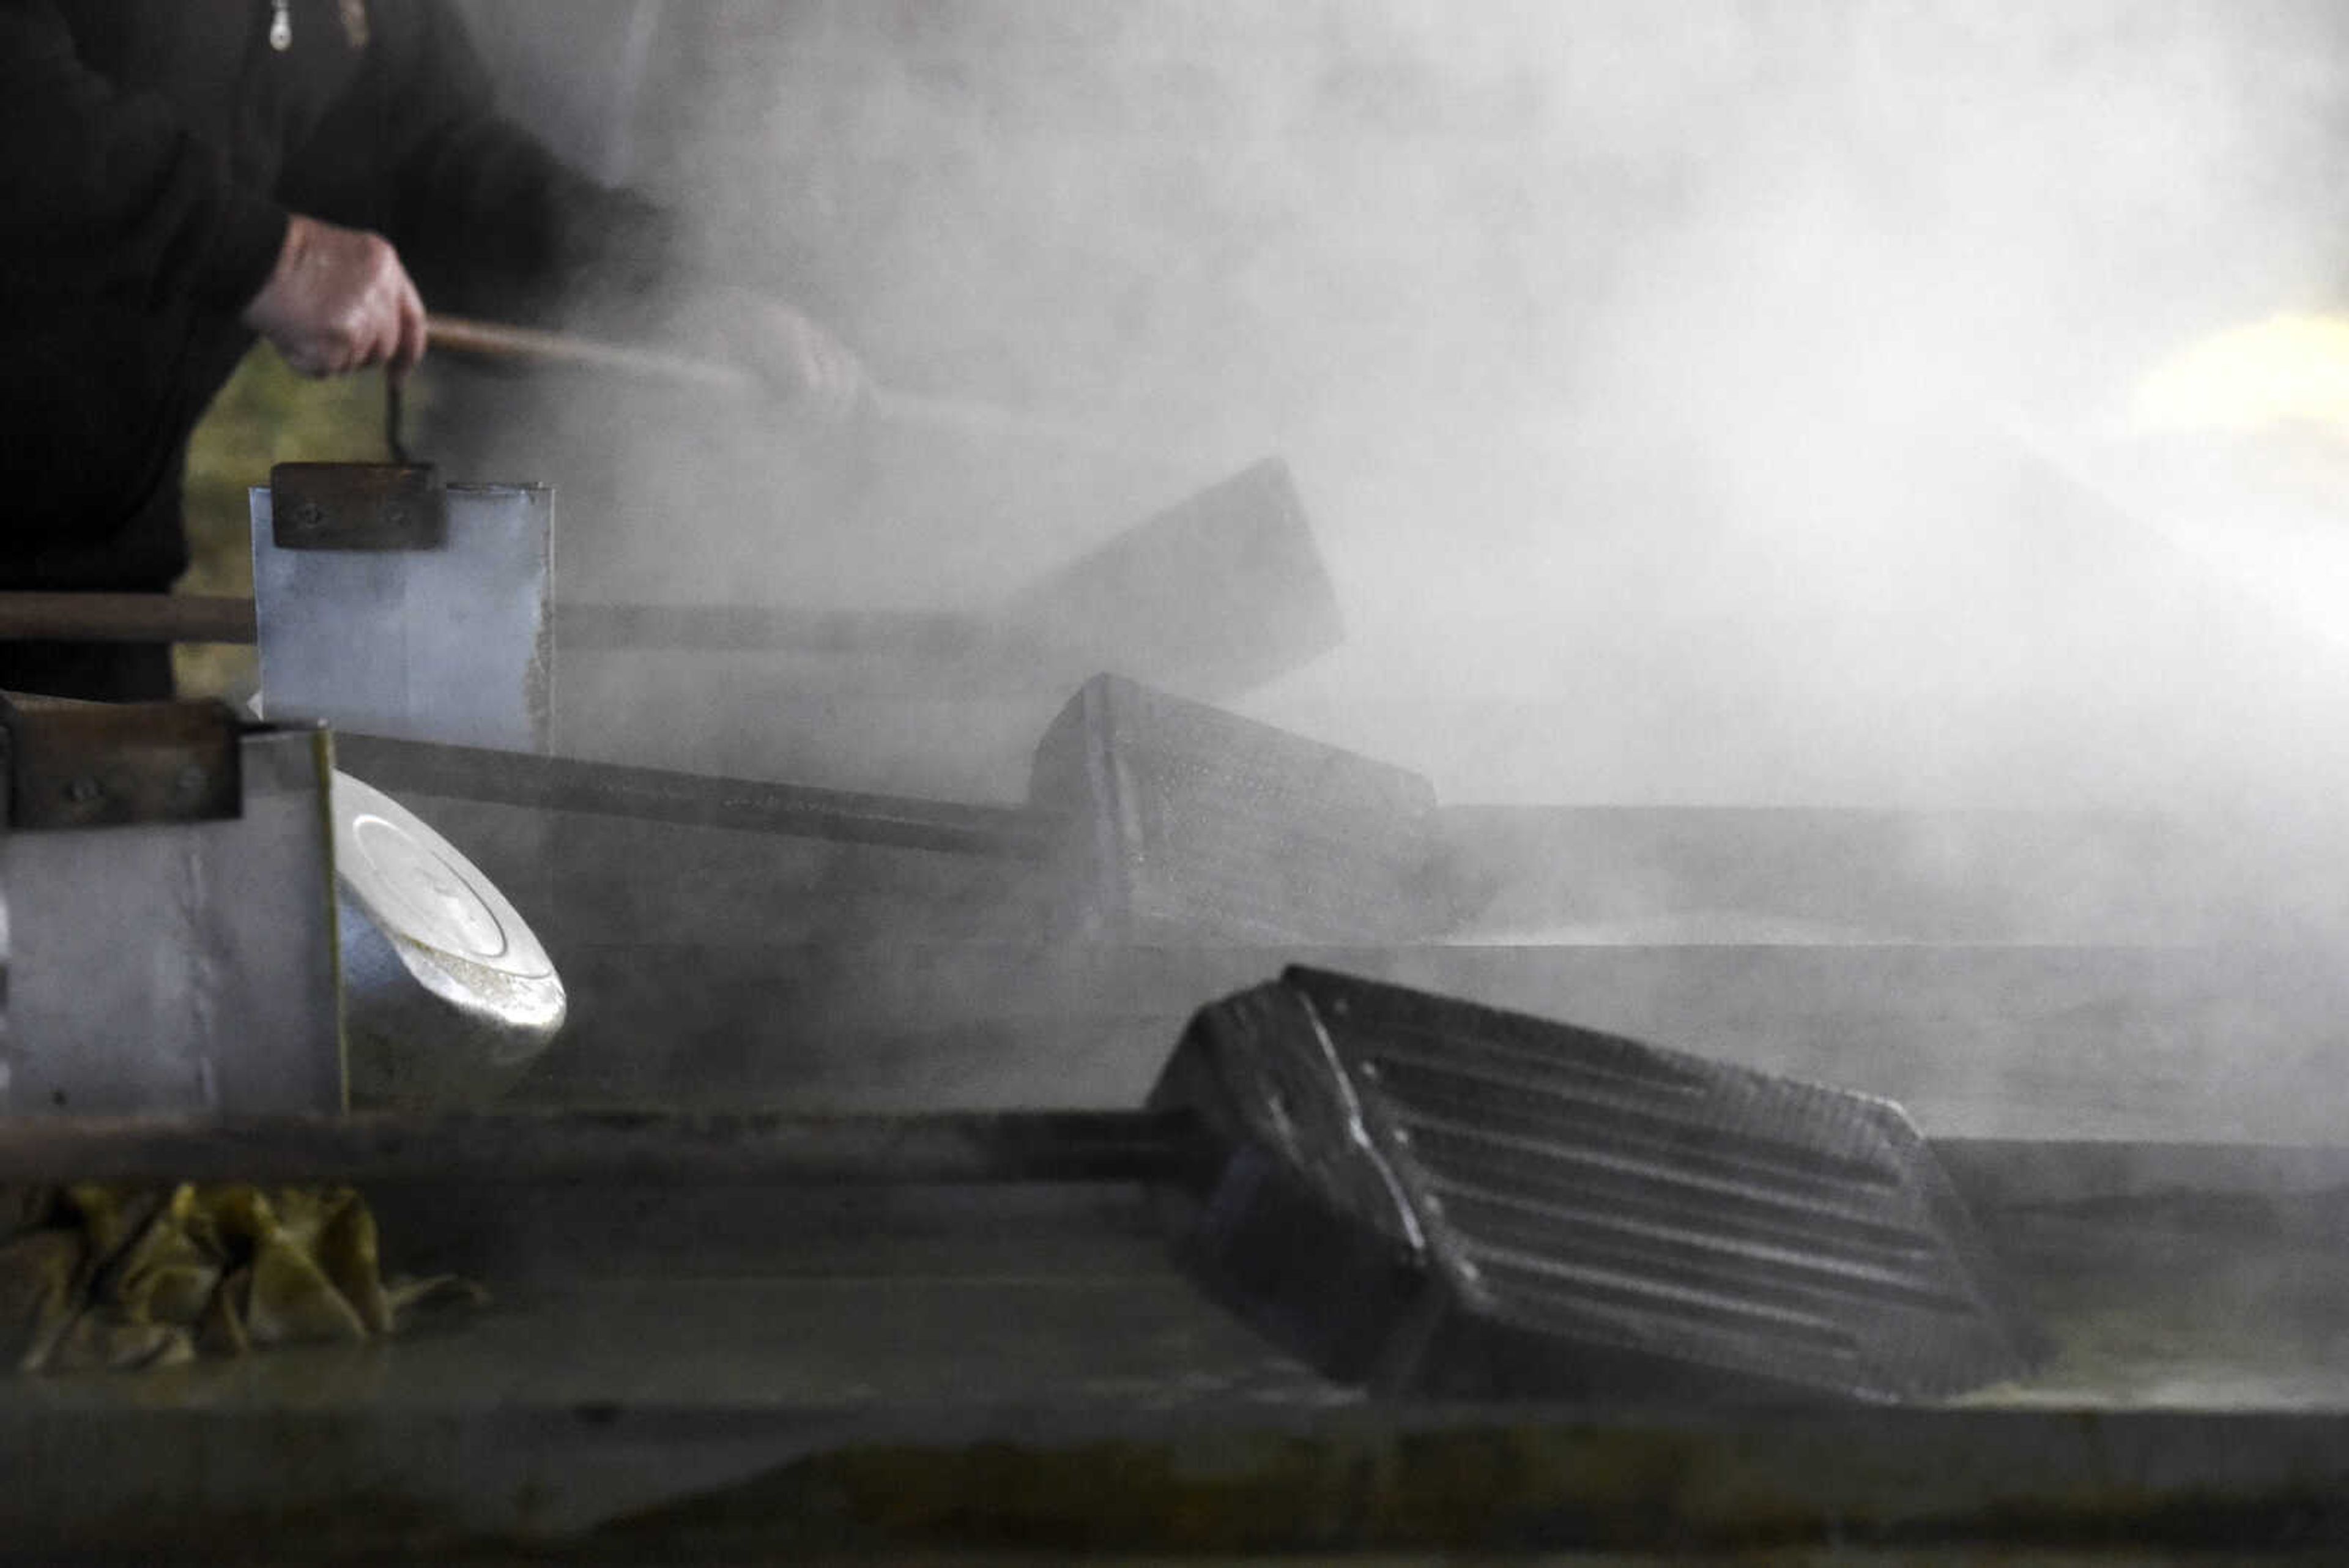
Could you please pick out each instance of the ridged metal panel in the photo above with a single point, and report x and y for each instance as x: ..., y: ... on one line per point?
x: 1587, y: 1188
x: 1211, y: 825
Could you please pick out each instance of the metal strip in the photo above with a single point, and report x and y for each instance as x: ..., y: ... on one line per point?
x: 634, y: 1147
x: 81, y: 765
x: 658, y: 794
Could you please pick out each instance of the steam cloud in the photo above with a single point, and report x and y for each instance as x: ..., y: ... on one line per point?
x: 1672, y: 386
x: 1645, y: 370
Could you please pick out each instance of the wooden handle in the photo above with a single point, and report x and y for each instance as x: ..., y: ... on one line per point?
x: 954, y: 416
x: 123, y: 617
x: 528, y: 345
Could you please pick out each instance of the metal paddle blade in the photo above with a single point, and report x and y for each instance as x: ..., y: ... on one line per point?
x: 1430, y: 1197
x: 1185, y: 820
x: 1217, y: 593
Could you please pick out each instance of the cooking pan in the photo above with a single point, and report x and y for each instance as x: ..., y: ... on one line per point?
x: 448, y: 996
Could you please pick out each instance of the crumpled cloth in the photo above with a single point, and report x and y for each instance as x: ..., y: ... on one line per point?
x: 100, y: 1275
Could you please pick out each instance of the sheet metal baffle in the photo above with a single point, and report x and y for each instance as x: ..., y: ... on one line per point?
x: 166, y: 875
x: 388, y: 603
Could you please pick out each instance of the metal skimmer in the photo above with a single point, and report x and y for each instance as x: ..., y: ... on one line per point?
x: 1468, y: 1201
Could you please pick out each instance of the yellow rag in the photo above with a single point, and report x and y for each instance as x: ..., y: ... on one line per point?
x: 93, y: 1275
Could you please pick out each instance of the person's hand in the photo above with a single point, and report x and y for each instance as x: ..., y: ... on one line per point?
x: 339, y: 301
x: 800, y: 363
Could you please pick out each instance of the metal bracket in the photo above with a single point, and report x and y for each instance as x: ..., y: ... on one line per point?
x: 74, y: 765
x: 357, y: 506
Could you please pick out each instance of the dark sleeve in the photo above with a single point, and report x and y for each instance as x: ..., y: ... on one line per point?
x: 105, y: 194
x: 485, y: 218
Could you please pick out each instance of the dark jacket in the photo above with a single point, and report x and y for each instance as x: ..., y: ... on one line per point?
x: 150, y: 153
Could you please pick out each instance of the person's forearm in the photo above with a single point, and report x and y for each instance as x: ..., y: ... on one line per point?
x: 490, y: 223
x: 487, y: 220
